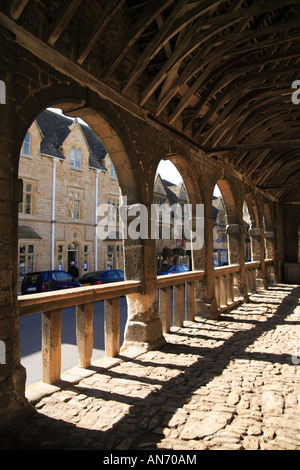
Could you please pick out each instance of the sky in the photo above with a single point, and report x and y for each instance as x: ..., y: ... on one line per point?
x: 166, y: 169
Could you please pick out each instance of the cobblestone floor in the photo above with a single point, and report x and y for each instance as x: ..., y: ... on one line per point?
x: 232, y: 383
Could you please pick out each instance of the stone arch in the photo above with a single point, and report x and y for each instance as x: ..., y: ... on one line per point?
x: 229, y: 201
x: 268, y: 228
x: 268, y: 220
x: 102, y: 119
x: 116, y: 144
x: 190, y: 180
x: 253, y: 210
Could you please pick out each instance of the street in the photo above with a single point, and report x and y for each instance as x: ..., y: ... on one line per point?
x: 31, y: 339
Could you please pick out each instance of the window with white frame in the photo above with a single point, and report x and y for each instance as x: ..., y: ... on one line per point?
x: 74, y: 204
x: 76, y: 158
x: 26, y: 259
x: 26, y: 145
x: 113, y: 210
x: 112, y: 170
x: 25, y: 207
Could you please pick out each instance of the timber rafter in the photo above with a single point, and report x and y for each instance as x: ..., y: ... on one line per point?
x: 217, y: 71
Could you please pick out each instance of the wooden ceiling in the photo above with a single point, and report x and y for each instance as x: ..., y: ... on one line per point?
x: 219, y: 72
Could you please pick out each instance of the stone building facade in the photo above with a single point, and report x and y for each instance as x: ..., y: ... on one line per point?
x: 66, y: 173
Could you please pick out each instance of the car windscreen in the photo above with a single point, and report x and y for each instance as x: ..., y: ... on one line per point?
x: 32, y: 279
x: 62, y: 276
x: 110, y: 275
x: 93, y: 275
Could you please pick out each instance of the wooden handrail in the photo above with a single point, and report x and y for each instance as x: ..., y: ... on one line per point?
x: 47, y: 301
x: 222, y: 270
x: 167, y: 280
x: 252, y: 264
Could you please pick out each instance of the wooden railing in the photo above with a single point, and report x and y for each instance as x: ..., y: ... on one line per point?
x: 251, y: 269
x: 51, y: 305
x: 176, y: 295
x: 224, y: 285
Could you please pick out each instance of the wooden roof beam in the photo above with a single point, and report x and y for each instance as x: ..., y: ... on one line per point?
x: 179, y: 18
x: 111, y: 8
x: 62, y: 20
x: 148, y: 16
x: 17, y: 7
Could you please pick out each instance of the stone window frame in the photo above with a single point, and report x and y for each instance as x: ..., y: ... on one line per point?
x: 113, y: 216
x: 28, y: 254
x: 76, y: 158
x: 79, y: 200
x: 26, y: 144
x: 25, y: 192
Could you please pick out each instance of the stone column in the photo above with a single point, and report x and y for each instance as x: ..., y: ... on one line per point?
x: 144, y: 328
x: 206, y: 305
x: 235, y: 238
x: 12, y: 373
x: 269, y: 245
x: 257, y: 243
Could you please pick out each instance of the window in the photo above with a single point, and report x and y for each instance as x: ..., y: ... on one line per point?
x: 78, y: 161
x: 159, y: 201
x: 74, y: 204
x: 73, y: 152
x: 26, y: 259
x: 26, y: 145
x: 86, y: 258
x: 25, y: 207
x: 60, y: 250
x: 113, y: 210
x: 76, y: 155
x: 112, y: 170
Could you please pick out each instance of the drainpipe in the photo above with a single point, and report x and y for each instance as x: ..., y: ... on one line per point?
x: 96, y: 220
x: 55, y: 160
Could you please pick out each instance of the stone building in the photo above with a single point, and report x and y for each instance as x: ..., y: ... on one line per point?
x: 66, y: 174
x: 207, y: 85
x: 171, y: 249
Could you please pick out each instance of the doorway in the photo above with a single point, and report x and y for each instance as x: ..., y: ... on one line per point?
x: 73, y: 253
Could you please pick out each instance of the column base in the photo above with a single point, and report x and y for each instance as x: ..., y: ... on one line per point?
x: 143, y: 336
x: 207, y: 309
x: 13, y: 404
x: 260, y: 284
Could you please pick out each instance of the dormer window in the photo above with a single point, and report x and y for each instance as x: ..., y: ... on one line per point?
x: 26, y: 145
x: 76, y: 155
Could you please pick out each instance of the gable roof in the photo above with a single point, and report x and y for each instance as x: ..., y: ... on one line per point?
x: 159, y: 188
x: 176, y: 192
x: 55, y: 128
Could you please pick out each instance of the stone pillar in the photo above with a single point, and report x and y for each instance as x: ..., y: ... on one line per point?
x: 269, y: 246
x: 203, y: 259
x: 12, y: 373
x: 235, y: 238
x: 144, y: 328
x: 258, y: 254
x: 198, y: 264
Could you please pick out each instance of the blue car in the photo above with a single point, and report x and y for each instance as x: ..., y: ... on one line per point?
x: 178, y: 268
x: 102, y: 277
x: 44, y: 281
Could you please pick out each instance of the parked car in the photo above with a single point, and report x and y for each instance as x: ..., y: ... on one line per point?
x: 44, y: 281
x: 177, y: 268
x: 102, y: 277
